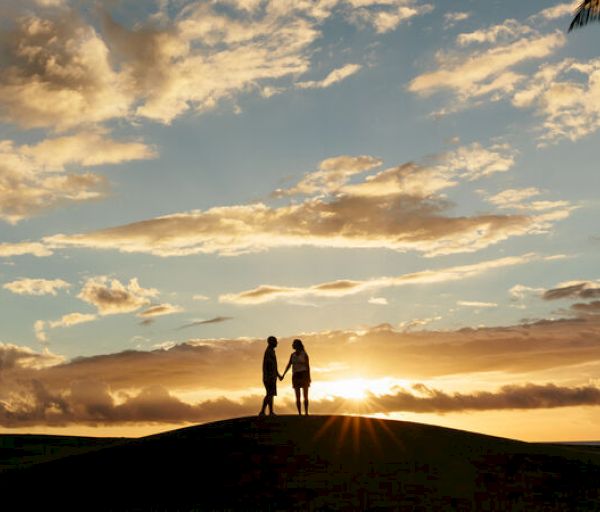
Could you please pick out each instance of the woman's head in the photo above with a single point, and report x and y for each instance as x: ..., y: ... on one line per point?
x: 297, y: 345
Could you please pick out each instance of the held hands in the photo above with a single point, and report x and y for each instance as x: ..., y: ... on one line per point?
x: 281, y: 376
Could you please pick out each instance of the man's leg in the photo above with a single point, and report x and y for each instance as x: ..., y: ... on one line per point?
x: 271, y: 405
x: 264, y: 405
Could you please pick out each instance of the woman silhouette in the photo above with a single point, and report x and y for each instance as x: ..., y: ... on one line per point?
x: 300, y: 373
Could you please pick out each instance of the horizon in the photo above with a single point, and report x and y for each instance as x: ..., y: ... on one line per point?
x: 407, y: 186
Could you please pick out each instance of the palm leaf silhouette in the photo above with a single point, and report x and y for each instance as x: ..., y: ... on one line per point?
x: 588, y: 10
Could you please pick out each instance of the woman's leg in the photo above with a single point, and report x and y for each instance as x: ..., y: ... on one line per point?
x: 297, y: 390
x: 305, y: 400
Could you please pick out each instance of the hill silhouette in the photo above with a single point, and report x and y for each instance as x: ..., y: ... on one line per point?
x: 312, y: 463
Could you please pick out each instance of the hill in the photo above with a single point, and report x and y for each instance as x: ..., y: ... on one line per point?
x: 24, y: 450
x: 314, y: 463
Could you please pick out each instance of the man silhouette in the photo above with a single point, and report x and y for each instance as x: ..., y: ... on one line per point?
x: 270, y: 375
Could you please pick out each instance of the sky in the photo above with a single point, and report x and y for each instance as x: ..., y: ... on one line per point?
x: 408, y: 186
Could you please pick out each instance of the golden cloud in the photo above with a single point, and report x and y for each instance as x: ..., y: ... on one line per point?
x: 37, y: 249
x: 72, y: 319
x: 398, y: 209
x: 335, y: 76
x: 36, y: 286
x: 57, y: 73
x: 64, y: 70
x: 486, y: 72
x: 111, y: 297
x: 17, y: 357
x: 160, y: 310
x: 385, y: 15
x: 565, y: 95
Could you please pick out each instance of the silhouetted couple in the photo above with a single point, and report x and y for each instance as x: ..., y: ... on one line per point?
x: 300, y: 374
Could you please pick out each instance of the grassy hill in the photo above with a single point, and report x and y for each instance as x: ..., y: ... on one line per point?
x: 313, y: 463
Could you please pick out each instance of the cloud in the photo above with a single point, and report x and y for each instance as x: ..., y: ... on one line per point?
x: 34, y: 178
x: 528, y: 396
x: 152, y: 312
x: 379, y: 301
x: 589, y: 308
x: 417, y: 323
x: 564, y: 95
x: 15, y: 356
x: 215, y: 320
x: 57, y: 73
x: 513, y: 197
x: 518, y: 199
x: 72, y: 319
x: 521, y: 292
x: 87, y: 149
x: 385, y: 15
x: 509, y: 29
x: 111, y: 297
x: 476, y: 304
x: 559, y: 10
x: 36, y: 286
x: 65, y: 68
x: 337, y: 75
x: 398, y: 208
x: 482, y: 73
x: 331, y: 175
x: 37, y: 249
x: 40, y: 388
x: 39, y: 328
x: 574, y: 290
x: 452, y: 18
x: 160, y: 310
x: 342, y: 288
x: 91, y: 402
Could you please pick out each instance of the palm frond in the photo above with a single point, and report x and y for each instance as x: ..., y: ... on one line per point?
x: 588, y: 11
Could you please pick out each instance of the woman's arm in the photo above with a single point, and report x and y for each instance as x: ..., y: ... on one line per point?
x: 287, y: 368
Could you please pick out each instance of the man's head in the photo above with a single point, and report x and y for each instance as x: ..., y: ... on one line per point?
x: 272, y: 341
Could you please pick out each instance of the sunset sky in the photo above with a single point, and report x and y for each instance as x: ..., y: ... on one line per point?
x: 409, y: 186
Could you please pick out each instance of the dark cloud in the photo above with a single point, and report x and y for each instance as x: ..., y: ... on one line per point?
x: 582, y: 290
x: 529, y: 396
x: 91, y: 403
x: 590, y: 308
x: 138, y: 386
x: 215, y: 320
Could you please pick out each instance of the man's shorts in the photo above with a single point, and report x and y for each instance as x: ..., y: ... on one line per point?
x: 271, y: 387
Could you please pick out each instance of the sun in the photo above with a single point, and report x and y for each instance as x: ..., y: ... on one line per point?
x: 356, y: 389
